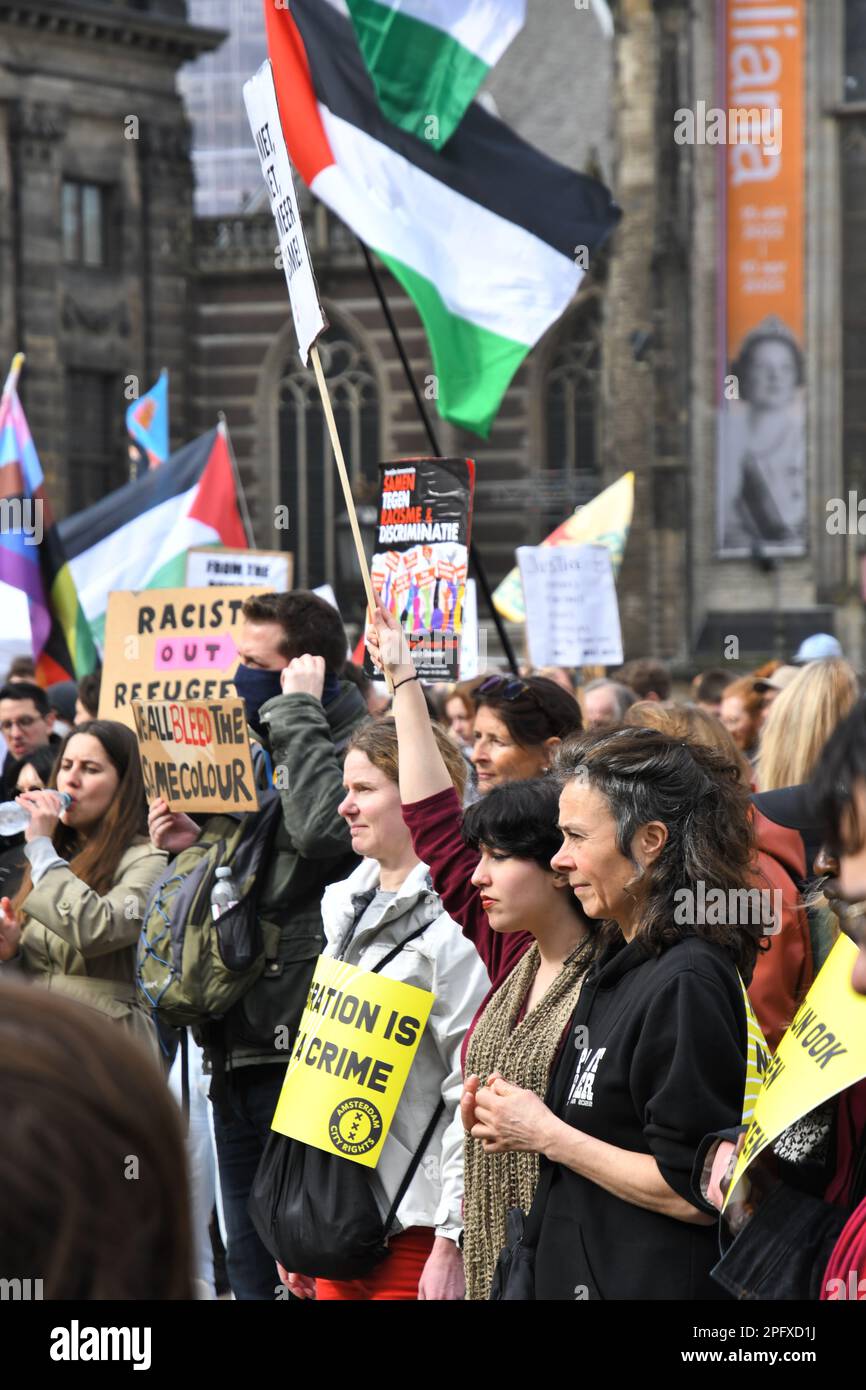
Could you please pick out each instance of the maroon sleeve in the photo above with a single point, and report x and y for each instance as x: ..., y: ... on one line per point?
x: 434, y: 825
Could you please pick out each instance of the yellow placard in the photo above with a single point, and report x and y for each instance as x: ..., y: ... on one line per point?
x: 822, y: 1053
x: 357, y: 1040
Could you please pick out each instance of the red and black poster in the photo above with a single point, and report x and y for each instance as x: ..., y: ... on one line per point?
x: 421, y: 556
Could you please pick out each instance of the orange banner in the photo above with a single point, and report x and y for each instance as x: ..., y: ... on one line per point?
x: 762, y: 492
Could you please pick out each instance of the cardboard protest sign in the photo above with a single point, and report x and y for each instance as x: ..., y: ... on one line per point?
x: 170, y: 644
x: 571, y: 609
x: 270, y: 569
x: 356, y: 1042
x: 195, y: 754
x: 820, y: 1055
x: 260, y: 98
x: 422, y: 547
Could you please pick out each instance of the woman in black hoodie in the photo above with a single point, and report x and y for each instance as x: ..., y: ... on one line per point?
x: 658, y: 844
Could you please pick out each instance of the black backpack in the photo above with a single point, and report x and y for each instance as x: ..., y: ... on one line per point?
x: 315, y: 1212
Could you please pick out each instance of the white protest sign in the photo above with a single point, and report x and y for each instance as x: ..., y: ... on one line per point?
x: 470, y: 657
x: 260, y: 98
x: 572, y: 616
x: 219, y: 565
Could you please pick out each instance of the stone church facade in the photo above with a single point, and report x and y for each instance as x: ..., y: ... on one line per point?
x: 97, y: 287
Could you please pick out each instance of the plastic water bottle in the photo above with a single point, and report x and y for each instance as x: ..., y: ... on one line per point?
x: 224, y: 894
x: 15, y: 818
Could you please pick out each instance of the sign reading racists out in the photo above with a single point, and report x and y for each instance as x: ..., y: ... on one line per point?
x: 260, y: 98
x: 356, y: 1042
x: 196, y: 754
x: 419, y: 565
x: 170, y: 644
x: 820, y: 1054
x: 572, y: 616
x: 271, y: 569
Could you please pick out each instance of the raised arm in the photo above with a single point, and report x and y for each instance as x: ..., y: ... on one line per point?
x: 422, y: 770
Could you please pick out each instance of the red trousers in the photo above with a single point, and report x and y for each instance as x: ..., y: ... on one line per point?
x: 396, y: 1277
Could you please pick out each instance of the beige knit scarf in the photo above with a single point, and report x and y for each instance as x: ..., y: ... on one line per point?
x: 523, y: 1052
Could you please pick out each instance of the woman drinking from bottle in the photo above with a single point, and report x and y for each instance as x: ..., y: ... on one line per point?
x: 74, y: 923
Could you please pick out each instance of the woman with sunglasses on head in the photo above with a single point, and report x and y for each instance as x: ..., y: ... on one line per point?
x: 532, y: 936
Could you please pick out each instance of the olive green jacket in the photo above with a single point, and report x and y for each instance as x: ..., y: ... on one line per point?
x: 84, y: 945
x: 306, y: 744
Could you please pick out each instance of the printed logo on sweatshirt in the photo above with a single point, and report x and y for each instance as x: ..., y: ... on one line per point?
x: 584, y: 1077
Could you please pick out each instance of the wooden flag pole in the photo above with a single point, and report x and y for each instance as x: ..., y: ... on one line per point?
x: 14, y: 373
x: 347, y: 489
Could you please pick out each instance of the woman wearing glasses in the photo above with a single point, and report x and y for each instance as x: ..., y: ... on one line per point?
x: 492, y: 870
x: 74, y: 923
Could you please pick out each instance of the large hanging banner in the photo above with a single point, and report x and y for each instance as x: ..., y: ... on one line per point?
x: 762, y: 487
x: 820, y: 1054
x: 170, y: 644
x: 421, y: 557
x: 356, y: 1042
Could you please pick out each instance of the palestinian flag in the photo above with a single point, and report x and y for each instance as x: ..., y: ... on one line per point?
x: 427, y: 58
x: 138, y: 536
x: 31, y: 553
x: 483, y: 235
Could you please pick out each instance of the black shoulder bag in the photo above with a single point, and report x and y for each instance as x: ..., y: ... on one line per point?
x: 315, y: 1212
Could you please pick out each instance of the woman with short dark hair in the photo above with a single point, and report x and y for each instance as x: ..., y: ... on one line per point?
x: 649, y: 823
x: 492, y: 871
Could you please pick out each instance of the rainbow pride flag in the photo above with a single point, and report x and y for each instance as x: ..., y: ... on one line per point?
x: 31, y: 556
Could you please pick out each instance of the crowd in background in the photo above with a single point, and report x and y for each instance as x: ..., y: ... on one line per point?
x: 516, y: 845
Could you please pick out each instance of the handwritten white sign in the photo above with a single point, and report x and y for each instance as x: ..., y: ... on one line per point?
x: 260, y: 98
x: 572, y: 616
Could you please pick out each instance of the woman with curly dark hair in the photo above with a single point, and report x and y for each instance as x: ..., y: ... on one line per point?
x: 650, y: 824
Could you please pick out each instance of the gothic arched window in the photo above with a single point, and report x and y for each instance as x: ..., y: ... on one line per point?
x: 309, y: 484
x: 570, y: 466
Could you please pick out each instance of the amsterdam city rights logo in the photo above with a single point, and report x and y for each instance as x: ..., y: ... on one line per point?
x: 355, y: 1127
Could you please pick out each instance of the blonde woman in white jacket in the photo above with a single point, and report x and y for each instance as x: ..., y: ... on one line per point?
x: 387, y: 898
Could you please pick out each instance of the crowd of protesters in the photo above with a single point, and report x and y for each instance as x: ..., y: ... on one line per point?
x: 521, y: 847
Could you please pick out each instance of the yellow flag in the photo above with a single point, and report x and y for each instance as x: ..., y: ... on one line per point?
x: 605, y: 520
x: 356, y: 1042
x: 822, y: 1053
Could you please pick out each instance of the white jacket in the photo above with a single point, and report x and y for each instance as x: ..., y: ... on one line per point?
x: 444, y: 962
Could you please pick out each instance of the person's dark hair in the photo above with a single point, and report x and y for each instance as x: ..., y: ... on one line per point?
x: 42, y: 761
x: 645, y: 676
x: 79, y: 1101
x: 539, y: 711
x: 95, y: 861
x: 520, y: 818
x: 742, y: 364
x: 696, y: 792
x: 840, y: 768
x: 27, y: 690
x: 710, y: 686
x: 88, y: 692
x: 21, y: 666
x: 309, y: 623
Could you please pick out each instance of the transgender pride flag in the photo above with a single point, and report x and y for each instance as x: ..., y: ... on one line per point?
x: 31, y: 556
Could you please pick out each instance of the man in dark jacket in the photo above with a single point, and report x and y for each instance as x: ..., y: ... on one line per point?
x: 301, y: 715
